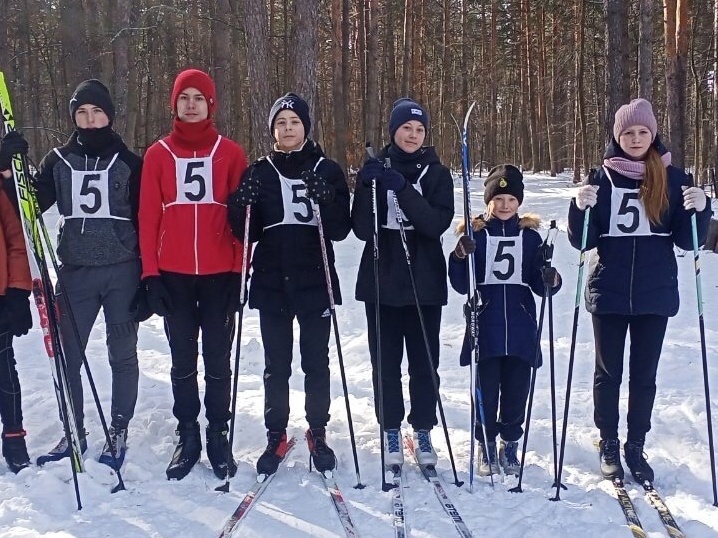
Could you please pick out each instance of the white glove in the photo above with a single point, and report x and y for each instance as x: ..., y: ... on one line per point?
x: 587, y: 196
x: 694, y: 198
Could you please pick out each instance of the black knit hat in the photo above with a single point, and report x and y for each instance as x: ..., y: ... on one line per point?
x: 504, y: 179
x: 92, y: 92
x: 296, y: 104
x: 404, y: 110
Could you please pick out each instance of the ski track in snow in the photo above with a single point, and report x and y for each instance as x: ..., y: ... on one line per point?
x: 41, y: 501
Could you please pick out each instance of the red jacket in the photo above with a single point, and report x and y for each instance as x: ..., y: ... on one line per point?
x: 183, y: 215
x: 14, y: 268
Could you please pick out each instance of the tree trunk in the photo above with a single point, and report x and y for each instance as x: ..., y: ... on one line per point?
x: 260, y: 101
x: 645, y: 49
x: 617, y: 66
x: 305, y: 51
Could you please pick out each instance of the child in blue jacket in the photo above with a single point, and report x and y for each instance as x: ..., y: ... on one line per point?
x: 508, y: 262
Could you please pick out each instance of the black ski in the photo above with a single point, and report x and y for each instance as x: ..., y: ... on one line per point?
x: 251, y: 497
x: 429, y: 472
x: 656, y: 501
x: 339, y: 504
x: 629, y: 511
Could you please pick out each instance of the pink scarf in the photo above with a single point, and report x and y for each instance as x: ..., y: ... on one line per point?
x: 632, y: 169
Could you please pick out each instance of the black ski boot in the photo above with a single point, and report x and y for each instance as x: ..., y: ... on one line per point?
x: 610, y: 452
x: 322, y: 456
x: 269, y: 461
x: 187, y: 452
x: 14, y: 449
x: 636, y: 461
x: 217, y: 447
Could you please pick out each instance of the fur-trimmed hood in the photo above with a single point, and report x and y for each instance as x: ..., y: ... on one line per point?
x: 528, y: 221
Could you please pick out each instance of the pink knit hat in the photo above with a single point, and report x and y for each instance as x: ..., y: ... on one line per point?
x: 637, y: 112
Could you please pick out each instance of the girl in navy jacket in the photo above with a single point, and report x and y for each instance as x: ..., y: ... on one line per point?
x: 507, y: 253
x: 641, y: 208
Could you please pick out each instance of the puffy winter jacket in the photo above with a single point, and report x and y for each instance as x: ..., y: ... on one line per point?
x: 635, y: 274
x: 507, y: 312
x: 287, y: 266
x: 428, y: 205
x: 14, y: 268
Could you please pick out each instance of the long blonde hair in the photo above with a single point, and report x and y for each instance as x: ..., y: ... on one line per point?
x: 654, y: 190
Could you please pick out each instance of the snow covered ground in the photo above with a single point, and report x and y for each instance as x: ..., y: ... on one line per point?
x: 41, y: 502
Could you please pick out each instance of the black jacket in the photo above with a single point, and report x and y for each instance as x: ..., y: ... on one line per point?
x: 635, y: 275
x: 428, y: 213
x: 287, y: 266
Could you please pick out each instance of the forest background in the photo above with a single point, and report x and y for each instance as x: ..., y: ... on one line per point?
x: 547, y: 75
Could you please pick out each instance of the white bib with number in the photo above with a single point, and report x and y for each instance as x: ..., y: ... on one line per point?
x: 298, y: 208
x: 394, y: 212
x: 628, y: 214
x: 504, y: 259
x: 90, y: 192
x: 194, y: 178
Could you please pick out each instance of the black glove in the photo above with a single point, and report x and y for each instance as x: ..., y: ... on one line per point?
x: 317, y: 187
x: 11, y: 143
x: 248, y: 191
x: 158, y: 298
x: 372, y: 169
x: 544, y: 255
x: 234, y: 287
x: 550, y: 276
x: 464, y: 247
x: 139, y: 307
x: 392, y: 180
x: 19, y: 318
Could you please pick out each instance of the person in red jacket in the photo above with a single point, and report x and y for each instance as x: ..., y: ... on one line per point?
x: 15, y: 320
x: 192, y: 264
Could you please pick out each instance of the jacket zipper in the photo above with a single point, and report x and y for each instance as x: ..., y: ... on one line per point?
x: 630, y: 289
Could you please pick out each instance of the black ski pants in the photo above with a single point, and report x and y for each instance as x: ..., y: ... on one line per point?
x: 278, y: 339
x: 200, y: 302
x: 110, y: 288
x: 609, y: 331
x: 505, y: 383
x: 399, y: 325
x: 10, y: 398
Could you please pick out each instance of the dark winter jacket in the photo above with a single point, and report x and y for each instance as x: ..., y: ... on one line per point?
x: 635, y: 275
x: 428, y: 205
x: 85, y: 240
x: 507, y: 313
x: 287, y: 266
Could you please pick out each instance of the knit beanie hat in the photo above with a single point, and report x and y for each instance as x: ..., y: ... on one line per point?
x: 637, y: 112
x: 404, y: 110
x: 296, y: 104
x: 504, y: 179
x: 92, y: 92
x: 194, y: 78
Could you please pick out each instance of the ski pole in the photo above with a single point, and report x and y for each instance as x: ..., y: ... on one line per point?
x: 432, y: 370
x: 548, y: 250
x: 385, y: 486
x: 42, y: 292
x: 340, y: 356
x: 238, y: 346
x: 572, y: 352
x: 702, y: 330
x: 553, y: 392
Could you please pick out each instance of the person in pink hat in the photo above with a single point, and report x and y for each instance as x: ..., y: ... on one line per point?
x: 192, y: 265
x: 641, y: 207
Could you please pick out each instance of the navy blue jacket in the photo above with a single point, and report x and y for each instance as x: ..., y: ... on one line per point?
x: 429, y: 213
x: 635, y: 275
x: 507, y: 314
x: 287, y: 266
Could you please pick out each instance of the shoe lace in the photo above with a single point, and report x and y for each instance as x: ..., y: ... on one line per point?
x: 274, y: 440
x: 611, y: 451
x: 424, y: 441
x: 635, y: 455
x: 392, y: 441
